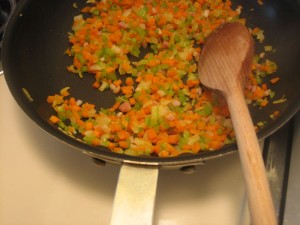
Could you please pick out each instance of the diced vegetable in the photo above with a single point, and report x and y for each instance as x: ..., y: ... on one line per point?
x: 160, y: 107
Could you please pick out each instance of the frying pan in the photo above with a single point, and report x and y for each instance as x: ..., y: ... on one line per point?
x: 33, y: 60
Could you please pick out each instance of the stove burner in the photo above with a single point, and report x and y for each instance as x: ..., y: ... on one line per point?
x: 6, y: 9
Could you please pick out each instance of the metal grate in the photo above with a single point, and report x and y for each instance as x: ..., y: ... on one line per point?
x: 277, y: 154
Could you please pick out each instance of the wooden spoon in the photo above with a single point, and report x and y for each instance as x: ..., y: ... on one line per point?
x: 225, y: 62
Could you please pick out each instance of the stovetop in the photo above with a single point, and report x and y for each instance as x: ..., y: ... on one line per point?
x: 6, y: 9
x: 43, y: 181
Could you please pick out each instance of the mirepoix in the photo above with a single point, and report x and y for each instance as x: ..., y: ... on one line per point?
x: 146, y: 53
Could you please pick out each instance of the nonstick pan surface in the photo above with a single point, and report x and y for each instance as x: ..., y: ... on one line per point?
x: 34, y: 60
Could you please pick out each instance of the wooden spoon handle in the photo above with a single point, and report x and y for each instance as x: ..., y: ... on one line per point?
x: 259, y: 196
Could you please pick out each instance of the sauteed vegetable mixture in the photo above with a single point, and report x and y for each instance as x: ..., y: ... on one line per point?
x: 146, y: 53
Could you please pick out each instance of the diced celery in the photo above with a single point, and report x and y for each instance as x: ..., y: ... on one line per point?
x: 206, y: 110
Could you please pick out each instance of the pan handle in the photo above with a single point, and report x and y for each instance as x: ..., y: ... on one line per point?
x: 135, y: 196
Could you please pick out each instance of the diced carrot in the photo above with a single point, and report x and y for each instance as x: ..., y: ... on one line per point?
x: 127, y: 90
x: 96, y: 84
x: 186, y: 147
x: 50, y: 99
x: 77, y: 63
x: 132, y: 101
x: 274, y: 80
x: 170, y: 62
x: 138, y: 79
x: 171, y: 73
x: 151, y: 134
x: 114, y: 127
x: 153, y: 62
x: 196, y: 147
x: 110, y: 69
x: 96, y: 142
x: 264, y: 102
x: 129, y: 81
x: 124, y: 144
x: 54, y: 119
x: 192, y: 83
x: 215, y: 144
x: 173, y: 139
x: 164, y: 153
x: 117, y: 149
x: 117, y: 82
x: 264, y: 87
x: 149, y: 77
x: 97, y: 132
x: 126, y: 67
x: 88, y: 125
x: 122, y: 134
x: 72, y: 101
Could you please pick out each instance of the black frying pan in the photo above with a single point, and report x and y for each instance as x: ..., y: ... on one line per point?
x: 33, y: 58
